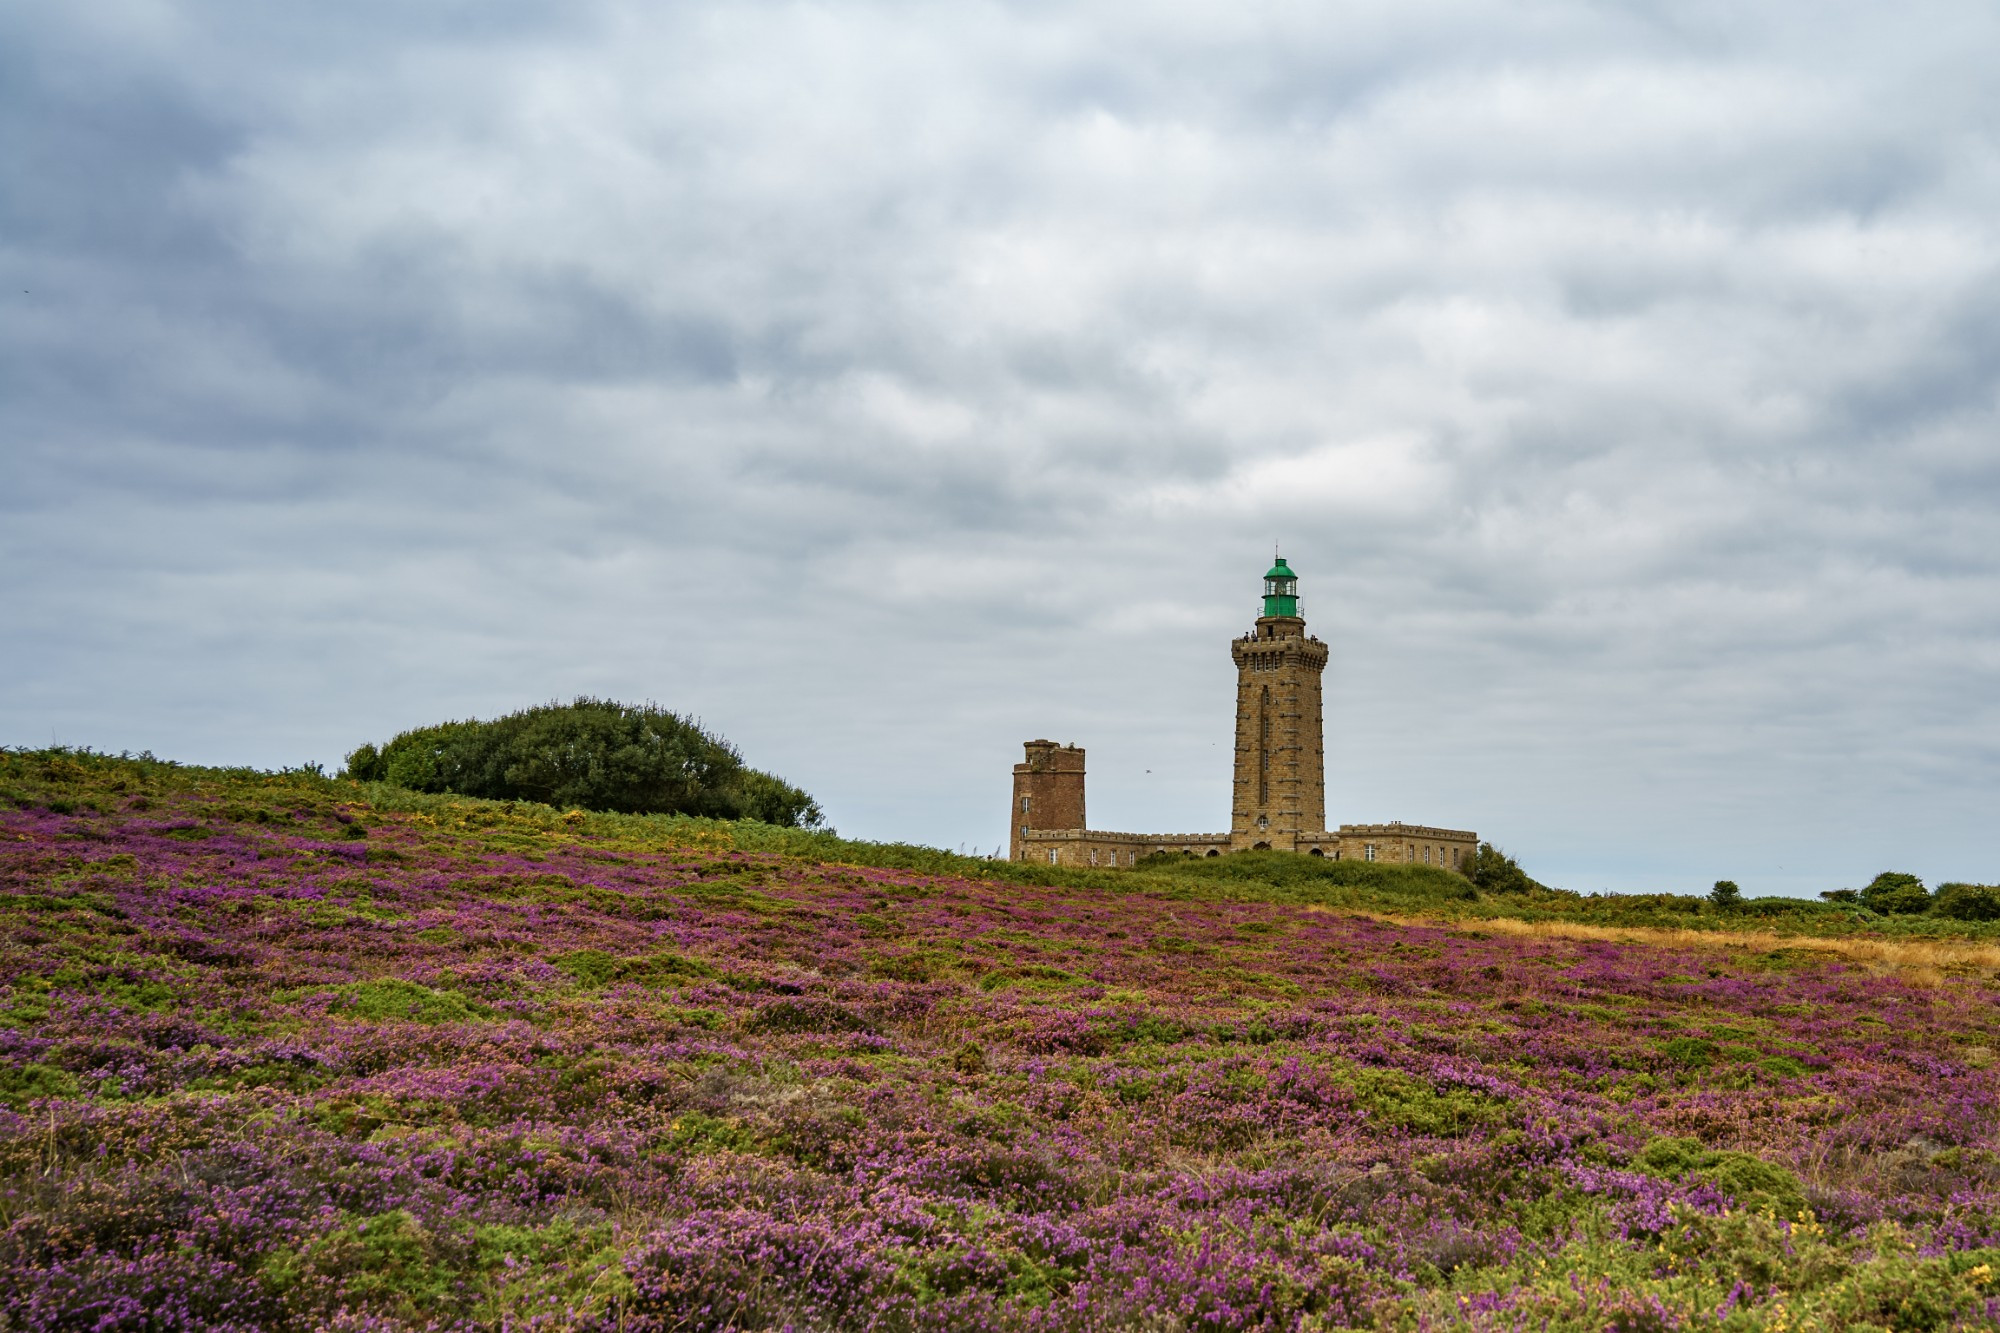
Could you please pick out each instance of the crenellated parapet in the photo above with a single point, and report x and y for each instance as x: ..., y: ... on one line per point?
x: 1096, y: 847
x: 1394, y: 843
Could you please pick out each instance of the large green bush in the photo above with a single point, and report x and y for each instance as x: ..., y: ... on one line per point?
x: 1493, y: 871
x: 1893, y: 893
x: 1968, y: 902
x: 592, y: 753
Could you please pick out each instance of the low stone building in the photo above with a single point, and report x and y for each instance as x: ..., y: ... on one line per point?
x: 1278, y: 800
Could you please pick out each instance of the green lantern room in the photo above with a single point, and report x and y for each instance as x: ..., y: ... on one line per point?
x: 1281, y: 590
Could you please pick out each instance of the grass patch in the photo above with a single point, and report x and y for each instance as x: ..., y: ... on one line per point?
x: 391, y: 999
x: 22, y: 1084
x: 596, y: 968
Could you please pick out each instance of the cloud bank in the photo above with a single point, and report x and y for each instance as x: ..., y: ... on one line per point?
x: 888, y: 384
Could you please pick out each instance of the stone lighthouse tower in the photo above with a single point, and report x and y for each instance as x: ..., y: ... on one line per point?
x: 1280, y: 789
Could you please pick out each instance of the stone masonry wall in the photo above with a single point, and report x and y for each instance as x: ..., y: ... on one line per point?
x: 1395, y: 844
x: 1048, y: 792
x: 1094, y: 847
x: 1280, y: 783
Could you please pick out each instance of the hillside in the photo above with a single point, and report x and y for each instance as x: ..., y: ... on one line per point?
x: 282, y: 1052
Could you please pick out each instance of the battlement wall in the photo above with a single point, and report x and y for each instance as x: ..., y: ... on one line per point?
x: 1097, y: 847
x: 1394, y: 844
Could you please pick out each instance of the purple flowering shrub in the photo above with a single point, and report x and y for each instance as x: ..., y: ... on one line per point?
x: 272, y: 1057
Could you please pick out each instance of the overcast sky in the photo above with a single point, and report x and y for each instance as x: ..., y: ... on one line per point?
x: 890, y: 384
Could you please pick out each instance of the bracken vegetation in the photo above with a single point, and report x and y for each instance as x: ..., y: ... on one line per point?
x: 285, y: 1052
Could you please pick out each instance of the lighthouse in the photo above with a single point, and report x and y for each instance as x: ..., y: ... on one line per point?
x: 1280, y: 789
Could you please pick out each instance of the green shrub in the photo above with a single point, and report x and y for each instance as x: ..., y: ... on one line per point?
x: 1391, y: 1097
x: 1753, y: 1182
x: 1776, y: 905
x: 365, y: 764
x: 392, y: 997
x: 389, y: 1260
x: 695, y: 1132
x: 1493, y: 871
x: 1670, y: 1156
x: 22, y: 1084
x: 592, y: 753
x: 1690, y: 1052
x: 1968, y: 902
x: 594, y: 967
x: 1895, y: 894
x: 1909, y: 1294
x: 1725, y: 893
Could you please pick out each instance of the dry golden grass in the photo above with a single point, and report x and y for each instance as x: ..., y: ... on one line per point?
x: 1923, y: 962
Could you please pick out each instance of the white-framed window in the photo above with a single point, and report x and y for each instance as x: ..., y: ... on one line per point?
x: 1052, y: 855
x: 1024, y: 803
x: 1024, y: 830
x: 1368, y: 852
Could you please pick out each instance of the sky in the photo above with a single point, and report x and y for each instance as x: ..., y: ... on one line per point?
x: 889, y: 384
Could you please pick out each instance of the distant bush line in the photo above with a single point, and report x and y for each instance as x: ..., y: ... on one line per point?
x: 593, y: 754
x: 1893, y: 893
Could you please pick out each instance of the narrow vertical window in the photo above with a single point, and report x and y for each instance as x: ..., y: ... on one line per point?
x: 1264, y: 747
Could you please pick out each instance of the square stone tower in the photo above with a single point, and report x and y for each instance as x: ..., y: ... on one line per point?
x: 1048, y: 792
x: 1280, y: 789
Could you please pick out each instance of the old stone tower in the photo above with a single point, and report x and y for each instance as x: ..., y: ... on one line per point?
x: 1278, y: 802
x: 1280, y: 787
x: 1048, y: 792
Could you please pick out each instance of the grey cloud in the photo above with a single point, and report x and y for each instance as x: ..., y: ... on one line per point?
x: 889, y: 383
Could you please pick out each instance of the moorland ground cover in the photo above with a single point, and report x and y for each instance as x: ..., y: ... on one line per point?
x: 280, y: 1052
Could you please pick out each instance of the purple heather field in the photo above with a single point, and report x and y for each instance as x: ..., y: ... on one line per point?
x: 286, y: 1053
